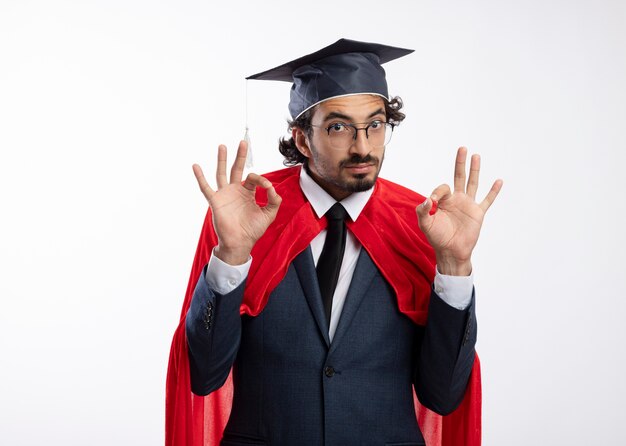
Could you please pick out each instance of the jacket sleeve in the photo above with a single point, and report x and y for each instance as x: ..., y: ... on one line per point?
x: 213, y: 329
x: 445, y: 355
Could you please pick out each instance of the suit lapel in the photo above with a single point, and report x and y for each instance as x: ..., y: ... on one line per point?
x: 363, y: 274
x: 305, y: 268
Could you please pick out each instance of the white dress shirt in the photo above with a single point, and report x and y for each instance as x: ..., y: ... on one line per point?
x: 221, y: 277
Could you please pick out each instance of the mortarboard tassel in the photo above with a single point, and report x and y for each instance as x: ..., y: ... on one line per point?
x: 249, y: 160
x: 246, y: 137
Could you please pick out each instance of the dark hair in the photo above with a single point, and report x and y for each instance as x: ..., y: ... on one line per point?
x: 288, y: 148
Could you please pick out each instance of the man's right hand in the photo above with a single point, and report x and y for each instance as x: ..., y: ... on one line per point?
x: 238, y: 220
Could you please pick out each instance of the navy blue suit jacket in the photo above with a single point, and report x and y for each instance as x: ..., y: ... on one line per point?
x: 294, y: 387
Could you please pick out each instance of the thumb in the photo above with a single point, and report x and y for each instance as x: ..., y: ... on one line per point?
x: 424, y: 215
x: 273, y: 203
x: 428, y: 206
x: 273, y: 199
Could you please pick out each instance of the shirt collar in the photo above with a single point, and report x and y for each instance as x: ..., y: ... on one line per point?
x: 321, y: 201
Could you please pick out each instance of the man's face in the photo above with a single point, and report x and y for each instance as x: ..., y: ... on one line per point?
x: 351, y: 169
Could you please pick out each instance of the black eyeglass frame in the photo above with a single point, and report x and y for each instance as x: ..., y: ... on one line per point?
x: 390, y: 125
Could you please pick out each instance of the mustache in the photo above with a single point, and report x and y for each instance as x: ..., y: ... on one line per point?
x: 357, y: 159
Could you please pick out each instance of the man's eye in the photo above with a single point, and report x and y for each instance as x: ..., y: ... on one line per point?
x: 375, y: 125
x: 337, y: 128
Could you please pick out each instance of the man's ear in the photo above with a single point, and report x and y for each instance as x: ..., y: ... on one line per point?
x: 302, y: 141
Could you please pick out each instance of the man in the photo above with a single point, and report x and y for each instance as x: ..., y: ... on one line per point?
x: 318, y: 282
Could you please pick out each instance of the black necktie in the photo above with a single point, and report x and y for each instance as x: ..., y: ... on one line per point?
x: 329, y: 263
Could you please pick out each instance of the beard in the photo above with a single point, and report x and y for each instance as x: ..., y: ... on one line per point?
x: 360, y: 181
x: 356, y: 182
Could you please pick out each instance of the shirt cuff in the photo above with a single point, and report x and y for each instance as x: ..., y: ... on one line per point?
x: 456, y: 291
x: 224, y: 278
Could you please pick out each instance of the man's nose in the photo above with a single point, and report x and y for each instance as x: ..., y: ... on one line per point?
x: 361, y: 145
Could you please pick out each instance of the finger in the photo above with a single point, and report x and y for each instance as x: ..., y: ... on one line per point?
x: 253, y: 181
x: 459, y: 170
x: 491, y: 196
x: 472, y: 182
x: 440, y: 193
x: 202, y: 182
x: 236, y: 172
x: 220, y: 175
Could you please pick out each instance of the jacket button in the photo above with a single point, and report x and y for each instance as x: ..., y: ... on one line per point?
x: 329, y: 372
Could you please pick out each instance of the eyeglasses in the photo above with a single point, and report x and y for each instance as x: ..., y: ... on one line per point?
x: 341, y: 136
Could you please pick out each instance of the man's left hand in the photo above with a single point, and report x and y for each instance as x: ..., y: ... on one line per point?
x: 454, y: 227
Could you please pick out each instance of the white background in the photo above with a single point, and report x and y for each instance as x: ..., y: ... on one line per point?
x: 104, y: 106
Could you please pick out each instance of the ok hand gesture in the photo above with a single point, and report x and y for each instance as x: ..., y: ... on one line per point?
x: 238, y: 220
x: 454, y: 228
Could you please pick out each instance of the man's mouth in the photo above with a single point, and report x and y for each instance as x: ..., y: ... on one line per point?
x: 360, y: 167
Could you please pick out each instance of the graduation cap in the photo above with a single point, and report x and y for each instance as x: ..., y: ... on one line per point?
x: 344, y: 68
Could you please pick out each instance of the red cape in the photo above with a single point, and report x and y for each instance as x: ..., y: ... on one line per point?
x: 388, y: 230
